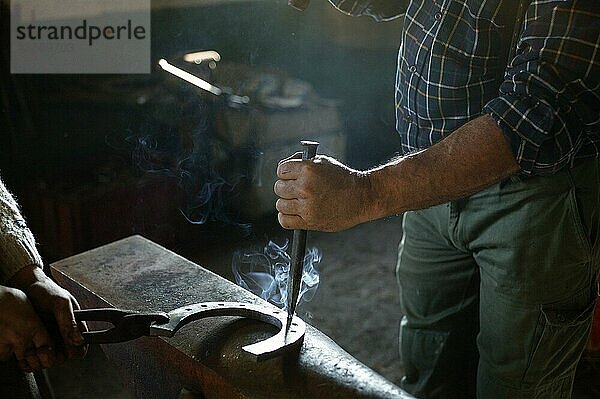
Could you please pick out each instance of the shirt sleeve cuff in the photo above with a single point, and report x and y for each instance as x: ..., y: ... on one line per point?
x: 526, y: 124
x: 17, y: 252
x: 379, y: 10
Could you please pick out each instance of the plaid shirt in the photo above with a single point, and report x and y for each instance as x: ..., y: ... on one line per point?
x: 453, y: 67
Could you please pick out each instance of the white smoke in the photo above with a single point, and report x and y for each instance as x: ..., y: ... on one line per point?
x: 266, y: 273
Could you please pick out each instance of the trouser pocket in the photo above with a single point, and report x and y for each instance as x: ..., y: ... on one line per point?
x: 420, y: 351
x: 560, y: 336
x: 585, y: 182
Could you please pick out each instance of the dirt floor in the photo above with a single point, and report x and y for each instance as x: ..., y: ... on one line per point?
x: 357, y: 303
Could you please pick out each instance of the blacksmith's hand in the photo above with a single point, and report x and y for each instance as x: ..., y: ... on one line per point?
x: 22, y: 333
x: 321, y: 194
x: 49, y: 298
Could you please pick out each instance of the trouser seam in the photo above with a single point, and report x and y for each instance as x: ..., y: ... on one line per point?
x: 453, y: 228
x: 538, y: 332
x: 585, y: 242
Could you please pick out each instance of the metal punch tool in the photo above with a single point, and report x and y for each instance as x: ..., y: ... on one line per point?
x: 298, y: 249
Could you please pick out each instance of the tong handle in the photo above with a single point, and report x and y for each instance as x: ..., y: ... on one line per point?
x: 127, y: 324
x: 110, y: 315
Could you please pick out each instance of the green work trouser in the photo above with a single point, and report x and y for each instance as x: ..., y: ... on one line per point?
x: 498, y: 289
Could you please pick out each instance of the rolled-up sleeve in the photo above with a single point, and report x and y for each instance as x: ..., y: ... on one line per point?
x: 17, y: 244
x: 380, y: 10
x: 549, y: 102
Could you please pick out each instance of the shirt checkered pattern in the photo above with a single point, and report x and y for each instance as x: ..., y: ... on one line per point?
x: 453, y: 66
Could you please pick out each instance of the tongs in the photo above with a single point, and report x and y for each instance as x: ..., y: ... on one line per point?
x: 129, y: 325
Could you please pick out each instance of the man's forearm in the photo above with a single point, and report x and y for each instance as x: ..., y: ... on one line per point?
x: 473, y: 157
x: 323, y: 194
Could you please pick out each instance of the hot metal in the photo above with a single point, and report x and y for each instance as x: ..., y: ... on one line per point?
x: 262, y: 350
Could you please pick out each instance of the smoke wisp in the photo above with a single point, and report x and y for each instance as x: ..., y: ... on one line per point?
x: 190, y: 156
x: 266, y: 273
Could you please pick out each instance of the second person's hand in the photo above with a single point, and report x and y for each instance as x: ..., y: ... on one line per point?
x: 50, y: 299
x: 23, y: 334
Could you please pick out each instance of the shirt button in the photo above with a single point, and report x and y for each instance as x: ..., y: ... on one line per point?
x: 437, y: 16
x: 412, y: 69
x: 409, y: 119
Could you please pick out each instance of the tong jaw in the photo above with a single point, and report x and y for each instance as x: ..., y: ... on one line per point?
x: 127, y: 324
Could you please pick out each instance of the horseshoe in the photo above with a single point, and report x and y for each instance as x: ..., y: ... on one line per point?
x: 128, y: 325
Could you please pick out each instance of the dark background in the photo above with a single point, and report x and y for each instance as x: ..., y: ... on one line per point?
x: 70, y: 144
x: 95, y: 158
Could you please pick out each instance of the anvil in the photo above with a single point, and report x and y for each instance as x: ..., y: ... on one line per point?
x: 205, y: 356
